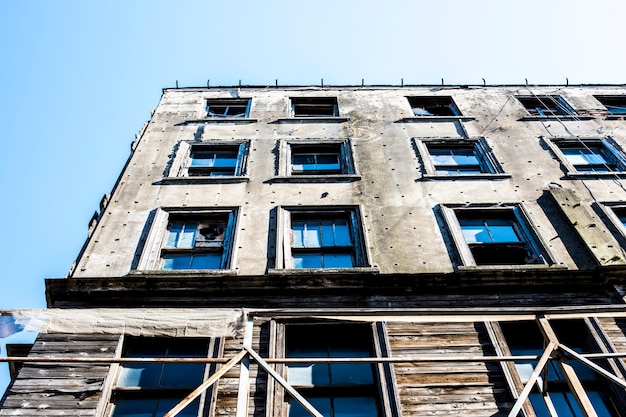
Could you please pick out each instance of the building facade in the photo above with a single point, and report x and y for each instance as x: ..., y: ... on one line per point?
x: 365, y: 251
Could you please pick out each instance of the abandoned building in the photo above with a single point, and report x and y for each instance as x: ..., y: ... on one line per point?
x: 349, y: 251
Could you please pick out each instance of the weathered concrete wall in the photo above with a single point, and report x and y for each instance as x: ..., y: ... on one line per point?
x: 403, y: 235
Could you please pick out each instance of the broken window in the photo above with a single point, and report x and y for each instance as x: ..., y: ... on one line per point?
x: 152, y: 389
x: 323, y: 238
x: 227, y: 107
x: 498, y: 235
x: 589, y: 155
x: 198, y: 241
x: 553, y: 391
x: 457, y: 157
x: 546, y: 105
x: 616, y: 105
x: 317, y: 160
x: 314, y: 107
x: 215, y: 160
x: 334, y: 389
x: 433, y: 106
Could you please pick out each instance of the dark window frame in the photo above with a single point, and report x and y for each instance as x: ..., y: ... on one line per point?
x: 142, y: 392
x: 285, y: 234
x: 609, y: 150
x: 529, y: 249
x: 314, y: 107
x: 486, y: 161
x: 547, y: 106
x: 227, y: 108
x: 615, y: 104
x: 158, y: 245
x: 373, y: 335
x: 433, y: 106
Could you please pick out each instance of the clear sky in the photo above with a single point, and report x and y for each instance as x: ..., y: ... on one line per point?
x: 79, y: 78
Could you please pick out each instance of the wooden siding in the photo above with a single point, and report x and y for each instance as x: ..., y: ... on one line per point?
x: 51, y: 389
x: 447, y: 388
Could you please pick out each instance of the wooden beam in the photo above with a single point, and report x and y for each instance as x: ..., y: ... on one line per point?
x: 533, y: 379
x: 206, y: 384
x: 594, y: 367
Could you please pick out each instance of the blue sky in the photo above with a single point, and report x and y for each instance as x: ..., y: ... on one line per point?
x: 79, y: 78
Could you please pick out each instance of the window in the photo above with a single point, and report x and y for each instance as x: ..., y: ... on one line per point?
x: 457, y: 158
x: 334, y: 389
x: 616, y: 105
x: 552, y: 390
x: 152, y: 389
x: 227, y: 107
x: 546, y: 106
x: 494, y: 236
x: 314, y: 107
x: 433, y: 106
x: 589, y: 156
x: 323, y: 238
x: 215, y: 160
x: 191, y: 239
x: 313, y: 160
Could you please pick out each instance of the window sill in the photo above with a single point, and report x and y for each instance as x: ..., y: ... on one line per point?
x: 317, y: 178
x: 559, y: 117
x: 587, y: 175
x: 318, y: 271
x: 204, y: 180
x: 240, y: 120
x: 511, y: 267
x: 464, y: 177
x: 615, y: 117
x: 321, y: 119
x: 181, y: 273
x: 436, y: 118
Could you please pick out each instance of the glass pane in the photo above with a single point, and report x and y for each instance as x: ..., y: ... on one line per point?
x: 207, y: 261
x: 502, y: 230
x: 175, y: 229
x: 202, y: 159
x: 308, y: 374
x: 355, y: 407
x: 474, y: 231
x: 360, y: 373
x: 312, y: 233
x: 321, y: 404
x: 298, y: 234
x: 140, y: 375
x: 328, y: 233
x: 307, y: 260
x: 583, y: 156
x: 342, y: 233
x: 465, y: 157
x: 338, y: 260
x: 565, y: 404
x: 166, y: 404
x: 134, y: 408
x: 180, y: 375
x: 328, y: 162
x: 225, y: 159
x: 442, y: 156
x: 621, y: 110
x: 303, y: 162
x: 171, y: 262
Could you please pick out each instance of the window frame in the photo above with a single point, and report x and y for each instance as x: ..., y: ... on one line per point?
x: 352, y: 214
x: 605, y: 99
x: 484, y: 154
x: 617, y: 226
x: 151, y: 258
x: 610, y: 150
x: 223, y: 102
x: 383, y: 386
x: 343, y: 148
x: 179, y: 169
x: 295, y: 115
x: 138, y: 392
x: 568, y: 379
x: 529, y: 235
x: 562, y: 109
x: 438, y: 102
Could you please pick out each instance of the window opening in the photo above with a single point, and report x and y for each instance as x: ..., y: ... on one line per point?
x: 456, y: 159
x: 323, y: 159
x: 336, y: 389
x: 433, y: 106
x: 616, y: 105
x: 228, y: 108
x: 495, y: 237
x: 589, y: 158
x: 546, y: 105
x: 552, y: 389
x: 152, y: 389
x: 322, y: 242
x: 215, y: 160
x: 314, y: 107
x: 197, y: 242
